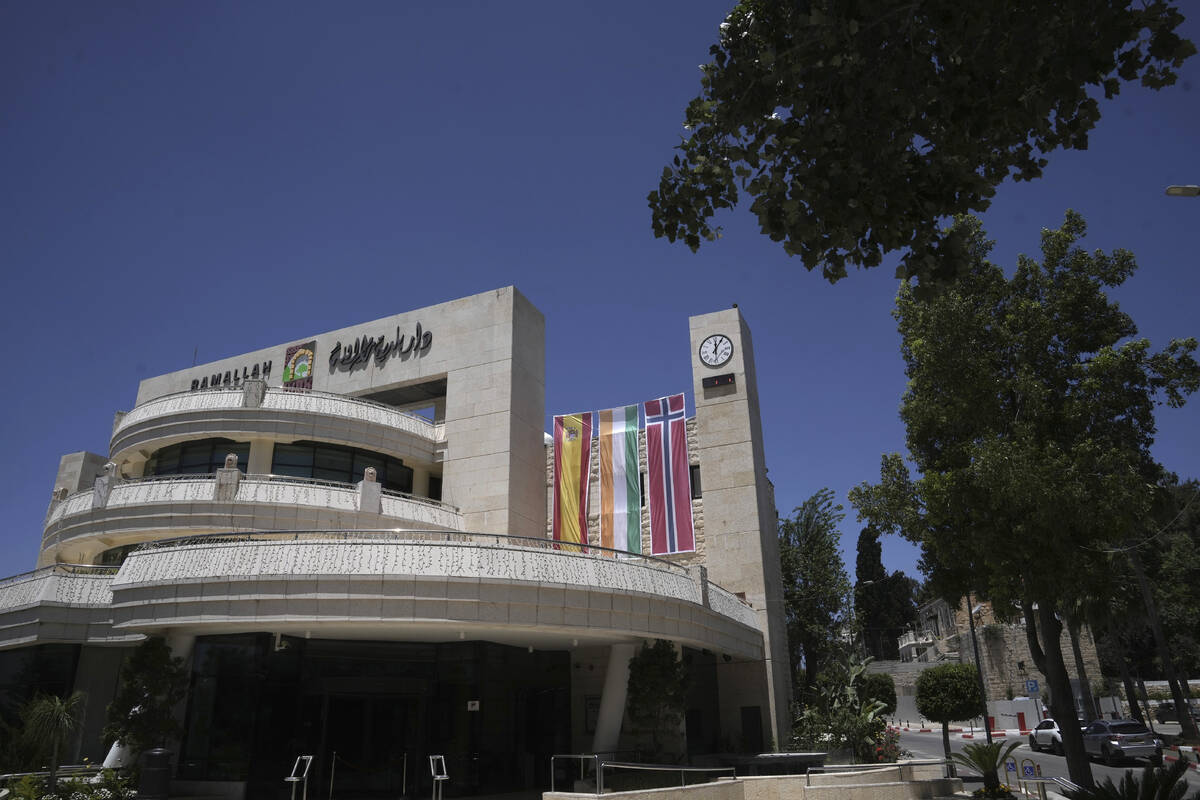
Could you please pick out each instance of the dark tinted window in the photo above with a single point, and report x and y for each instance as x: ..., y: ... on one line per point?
x: 331, y: 462
x: 200, y: 457
x: 1130, y: 727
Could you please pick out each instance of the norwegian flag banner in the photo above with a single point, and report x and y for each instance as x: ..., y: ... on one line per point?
x: 668, y: 484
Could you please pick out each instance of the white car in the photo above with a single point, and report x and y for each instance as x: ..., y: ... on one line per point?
x: 1047, y: 736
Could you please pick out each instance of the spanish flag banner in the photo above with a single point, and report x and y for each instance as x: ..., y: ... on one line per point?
x: 572, y: 460
x: 620, y: 494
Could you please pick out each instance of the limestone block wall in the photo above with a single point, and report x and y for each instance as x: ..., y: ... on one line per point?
x: 1007, y: 663
x: 698, y: 557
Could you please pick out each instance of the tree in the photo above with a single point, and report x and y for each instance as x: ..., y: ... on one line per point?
x: 884, y: 603
x: 881, y: 687
x: 142, y: 713
x: 50, y: 721
x: 855, y: 127
x: 1175, y: 573
x: 657, y: 690
x: 815, y: 587
x: 947, y: 693
x: 1029, y: 415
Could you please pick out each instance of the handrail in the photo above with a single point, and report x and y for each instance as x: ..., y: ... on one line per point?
x: 65, y: 771
x: 1041, y: 782
x: 583, y: 758
x: 654, y: 768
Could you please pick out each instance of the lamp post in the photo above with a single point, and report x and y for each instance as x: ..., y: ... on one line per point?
x: 987, y: 727
x: 1189, y: 190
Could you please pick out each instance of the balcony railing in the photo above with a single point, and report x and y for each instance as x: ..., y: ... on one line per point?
x: 323, y: 403
x: 255, y: 489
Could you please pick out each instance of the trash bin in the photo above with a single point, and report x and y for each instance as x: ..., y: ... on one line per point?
x: 155, y: 783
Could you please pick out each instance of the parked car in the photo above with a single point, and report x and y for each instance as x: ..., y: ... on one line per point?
x: 1117, y: 739
x: 1047, y: 736
x: 1166, y: 712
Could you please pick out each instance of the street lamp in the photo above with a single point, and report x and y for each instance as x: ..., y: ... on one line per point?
x: 1183, y: 191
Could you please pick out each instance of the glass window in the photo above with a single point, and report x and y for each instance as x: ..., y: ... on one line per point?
x: 298, y: 455
x: 199, y: 457
x: 331, y: 462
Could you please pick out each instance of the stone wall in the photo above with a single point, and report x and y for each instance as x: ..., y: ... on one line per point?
x: 1007, y: 663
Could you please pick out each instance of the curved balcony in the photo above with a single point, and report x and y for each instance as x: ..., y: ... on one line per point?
x: 241, y: 413
x: 61, y: 603
x: 427, y: 586
x: 174, y: 505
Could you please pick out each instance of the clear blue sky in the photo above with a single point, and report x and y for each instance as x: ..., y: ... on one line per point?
x: 224, y: 176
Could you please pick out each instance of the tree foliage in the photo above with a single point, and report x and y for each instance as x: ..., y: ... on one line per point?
x: 49, y: 722
x: 1029, y: 415
x: 1174, y: 571
x: 947, y: 693
x: 845, y: 717
x: 854, y: 126
x: 816, y: 588
x: 881, y: 687
x: 1156, y: 783
x: 986, y: 758
x: 142, y: 713
x: 657, y: 691
x: 884, y: 602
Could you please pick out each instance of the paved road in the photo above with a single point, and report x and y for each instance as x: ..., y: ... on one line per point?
x: 929, y: 745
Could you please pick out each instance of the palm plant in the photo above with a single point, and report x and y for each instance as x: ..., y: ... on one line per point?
x: 1157, y: 783
x: 49, y: 722
x: 986, y: 758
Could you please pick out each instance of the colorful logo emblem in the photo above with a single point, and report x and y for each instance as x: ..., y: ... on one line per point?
x: 298, y: 366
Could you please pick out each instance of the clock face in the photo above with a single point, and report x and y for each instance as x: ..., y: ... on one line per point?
x: 716, y: 350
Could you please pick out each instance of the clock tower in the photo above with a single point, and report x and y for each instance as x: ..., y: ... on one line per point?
x: 740, y: 520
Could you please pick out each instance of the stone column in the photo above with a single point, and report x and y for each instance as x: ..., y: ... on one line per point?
x: 612, y: 701
x: 259, y: 460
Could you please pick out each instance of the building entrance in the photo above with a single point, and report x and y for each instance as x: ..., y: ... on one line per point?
x: 496, y: 713
x: 368, y: 744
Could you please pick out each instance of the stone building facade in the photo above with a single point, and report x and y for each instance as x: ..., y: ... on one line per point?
x: 345, y: 538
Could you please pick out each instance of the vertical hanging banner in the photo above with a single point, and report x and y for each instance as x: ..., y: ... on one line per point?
x: 620, y: 495
x: 668, y: 484
x: 572, y: 460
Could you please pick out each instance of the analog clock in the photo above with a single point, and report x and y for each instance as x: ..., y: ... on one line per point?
x: 716, y: 350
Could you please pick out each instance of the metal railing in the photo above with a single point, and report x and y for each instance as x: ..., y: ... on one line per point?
x: 598, y: 765
x: 669, y: 769
x: 1042, y: 782
x: 65, y: 771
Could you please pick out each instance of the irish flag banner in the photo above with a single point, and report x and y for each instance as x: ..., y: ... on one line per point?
x: 572, y: 457
x: 620, y: 495
x: 668, y: 477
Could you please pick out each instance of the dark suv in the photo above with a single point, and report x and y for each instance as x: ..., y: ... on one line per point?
x: 1166, y: 712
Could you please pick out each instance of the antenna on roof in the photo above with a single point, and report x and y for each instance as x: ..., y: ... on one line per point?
x: 195, y: 352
